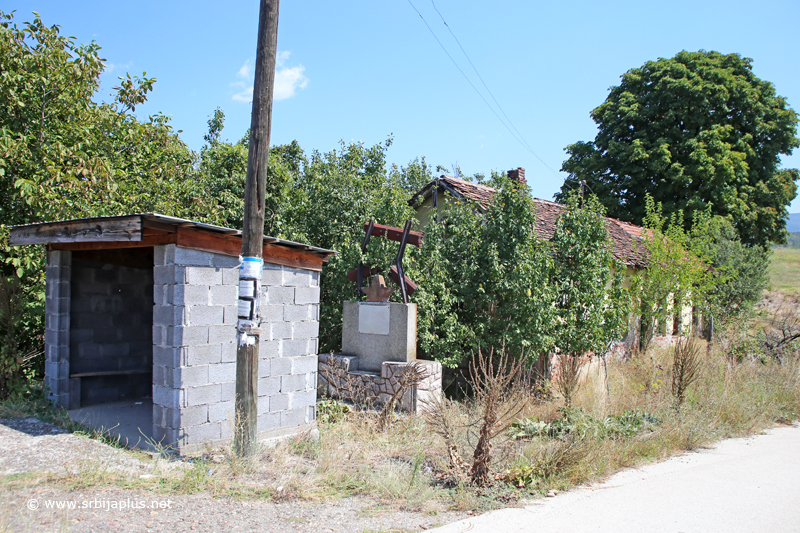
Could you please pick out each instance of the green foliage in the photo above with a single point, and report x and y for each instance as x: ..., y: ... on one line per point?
x: 20, y: 331
x: 63, y: 155
x: 483, y: 281
x: 414, y: 176
x: 487, y: 281
x: 676, y: 275
x: 66, y: 156
x: 697, y: 130
x: 740, y: 272
x: 330, y: 411
x: 708, y: 268
x: 332, y: 196
x: 445, y: 274
x: 223, y: 169
x: 591, y: 304
x: 576, y: 423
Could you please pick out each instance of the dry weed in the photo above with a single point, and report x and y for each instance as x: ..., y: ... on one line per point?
x: 686, y: 366
x: 411, y: 376
x: 568, y: 377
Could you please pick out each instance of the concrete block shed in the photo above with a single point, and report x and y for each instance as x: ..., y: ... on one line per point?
x: 141, y: 314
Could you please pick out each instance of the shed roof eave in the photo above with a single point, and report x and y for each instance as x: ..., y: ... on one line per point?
x: 167, y: 220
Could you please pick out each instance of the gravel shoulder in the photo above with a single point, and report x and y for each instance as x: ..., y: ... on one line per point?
x: 33, y: 452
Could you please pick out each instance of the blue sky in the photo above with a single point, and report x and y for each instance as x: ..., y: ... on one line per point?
x: 361, y: 70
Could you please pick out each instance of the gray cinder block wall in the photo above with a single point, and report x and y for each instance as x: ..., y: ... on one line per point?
x: 111, y: 314
x: 57, y: 321
x: 194, y: 348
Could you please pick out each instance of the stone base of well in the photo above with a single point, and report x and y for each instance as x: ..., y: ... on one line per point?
x: 339, y: 377
x: 378, y: 332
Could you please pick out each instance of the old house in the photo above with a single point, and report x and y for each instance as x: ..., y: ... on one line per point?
x: 627, y: 239
x: 141, y: 314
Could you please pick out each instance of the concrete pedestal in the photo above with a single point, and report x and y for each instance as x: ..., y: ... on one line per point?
x: 377, y: 332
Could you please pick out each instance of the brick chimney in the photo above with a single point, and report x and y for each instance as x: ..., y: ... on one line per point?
x: 518, y: 175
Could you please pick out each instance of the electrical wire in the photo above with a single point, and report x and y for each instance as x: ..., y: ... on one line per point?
x: 478, y: 73
x: 462, y: 72
x: 517, y: 136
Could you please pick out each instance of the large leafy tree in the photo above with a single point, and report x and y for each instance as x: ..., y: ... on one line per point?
x: 695, y: 130
x: 64, y: 155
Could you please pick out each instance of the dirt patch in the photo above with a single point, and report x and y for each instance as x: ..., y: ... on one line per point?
x: 102, y: 511
x: 32, y: 450
x: 29, y: 445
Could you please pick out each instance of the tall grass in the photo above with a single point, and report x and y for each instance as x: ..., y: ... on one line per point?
x: 728, y: 399
x: 784, y: 270
x: 408, y: 465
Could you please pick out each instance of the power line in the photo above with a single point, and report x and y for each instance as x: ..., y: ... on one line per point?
x: 463, y: 74
x: 517, y: 136
x: 526, y: 144
x: 478, y: 73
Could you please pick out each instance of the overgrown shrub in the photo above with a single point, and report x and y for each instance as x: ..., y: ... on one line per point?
x: 21, y: 338
x: 676, y: 274
x: 590, y: 303
x: 483, y: 280
x: 499, y: 397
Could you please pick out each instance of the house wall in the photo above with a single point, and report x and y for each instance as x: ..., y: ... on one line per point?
x: 194, y: 348
x: 424, y: 211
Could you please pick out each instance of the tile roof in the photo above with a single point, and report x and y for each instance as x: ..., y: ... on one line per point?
x: 628, y: 246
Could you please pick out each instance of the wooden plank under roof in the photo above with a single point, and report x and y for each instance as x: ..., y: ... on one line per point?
x: 113, y: 229
x: 151, y: 229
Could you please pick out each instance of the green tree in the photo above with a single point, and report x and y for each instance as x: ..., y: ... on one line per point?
x: 740, y: 273
x: 695, y: 130
x: 484, y: 281
x: 677, y: 273
x: 330, y: 199
x: 223, y: 171
x: 413, y: 176
x: 445, y: 272
x: 63, y: 155
x: 591, y: 305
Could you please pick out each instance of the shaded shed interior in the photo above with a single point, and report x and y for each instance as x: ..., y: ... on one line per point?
x: 111, y: 324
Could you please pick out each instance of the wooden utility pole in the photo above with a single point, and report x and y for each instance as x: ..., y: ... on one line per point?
x: 248, y: 326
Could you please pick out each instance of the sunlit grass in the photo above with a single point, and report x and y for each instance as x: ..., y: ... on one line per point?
x: 784, y: 270
x: 406, y: 465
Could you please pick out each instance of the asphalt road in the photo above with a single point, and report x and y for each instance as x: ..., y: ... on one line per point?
x: 747, y: 485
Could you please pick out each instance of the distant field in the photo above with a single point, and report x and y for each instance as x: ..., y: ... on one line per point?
x: 784, y: 271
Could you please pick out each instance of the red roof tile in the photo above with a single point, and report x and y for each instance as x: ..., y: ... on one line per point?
x: 626, y: 238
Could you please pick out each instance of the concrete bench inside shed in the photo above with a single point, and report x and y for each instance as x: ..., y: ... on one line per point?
x: 141, y: 314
